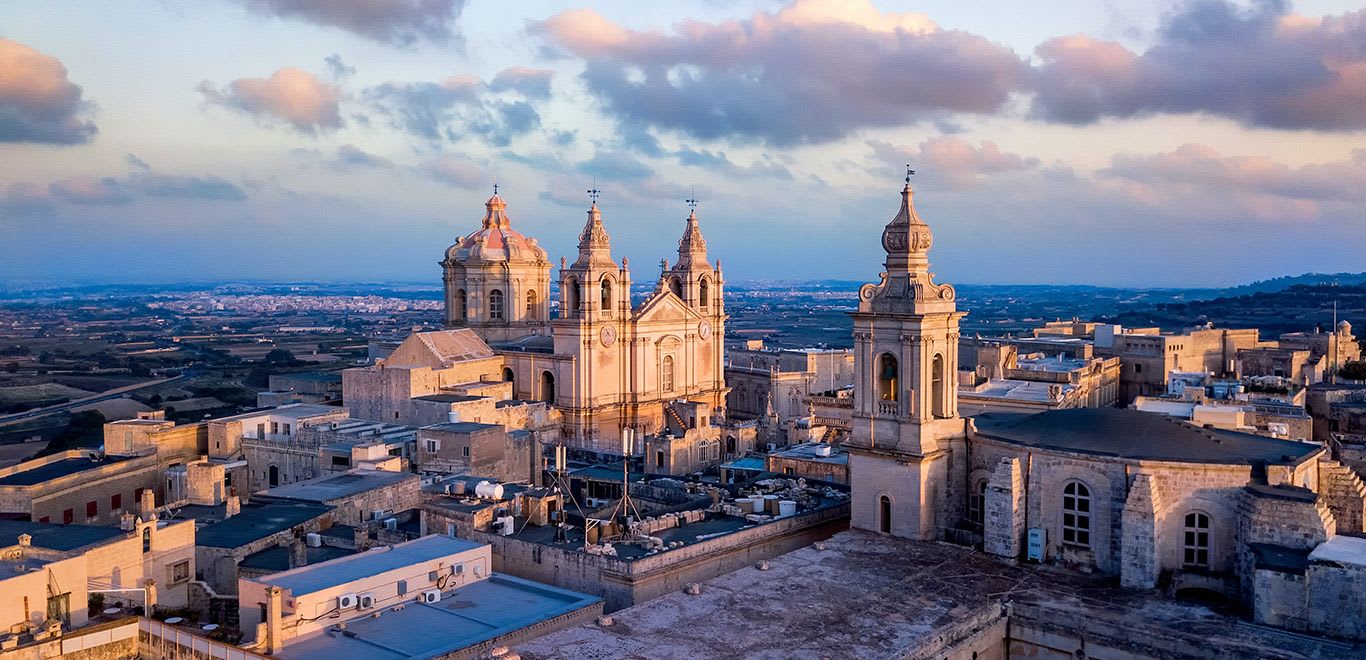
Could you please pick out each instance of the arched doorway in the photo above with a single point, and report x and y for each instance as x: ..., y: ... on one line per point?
x: 884, y: 514
x: 547, y: 387
x: 273, y: 476
x: 509, y: 377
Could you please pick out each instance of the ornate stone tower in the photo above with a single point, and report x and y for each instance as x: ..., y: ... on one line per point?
x: 701, y: 287
x: 906, y: 429
x: 497, y: 280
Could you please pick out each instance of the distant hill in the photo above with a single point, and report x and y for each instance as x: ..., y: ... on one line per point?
x: 1297, y: 307
x: 1288, y: 281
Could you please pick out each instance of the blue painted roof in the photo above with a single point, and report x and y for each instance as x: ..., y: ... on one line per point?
x: 56, y: 537
x: 329, y: 574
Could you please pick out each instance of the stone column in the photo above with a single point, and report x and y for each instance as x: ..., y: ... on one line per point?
x: 1004, y: 523
x: 1139, y: 565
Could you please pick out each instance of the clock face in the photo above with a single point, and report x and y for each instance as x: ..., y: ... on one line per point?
x: 608, y: 335
x: 704, y: 329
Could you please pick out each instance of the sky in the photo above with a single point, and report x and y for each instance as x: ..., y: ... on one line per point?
x: 1116, y: 143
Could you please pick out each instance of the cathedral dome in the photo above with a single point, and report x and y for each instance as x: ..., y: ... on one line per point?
x: 496, y: 241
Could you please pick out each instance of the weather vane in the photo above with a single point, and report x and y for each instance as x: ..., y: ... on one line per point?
x: 692, y: 201
x: 594, y: 192
x: 909, y: 172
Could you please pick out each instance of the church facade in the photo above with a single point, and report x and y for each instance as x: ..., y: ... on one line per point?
x: 603, y: 363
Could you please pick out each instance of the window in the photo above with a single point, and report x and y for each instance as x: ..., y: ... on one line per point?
x: 496, y: 305
x: 115, y: 501
x: 68, y: 516
x: 341, y: 461
x: 547, y: 387
x: 703, y: 291
x: 1076, y: 514
x: 287, y: 429
x: 939, y: 405
x: 977, y: 505
x: 531, y: 304
x: 887, y: 377
x: 45, y: 520
x: 462, y: 302
x: 92, y: 510
x: 465, y: 451
x: 789, y: 471
x: 147, y: 539
x: 571, y: 298
x: 666, y: 374
x: 432, y: 446
x: 1195, y: 542
x: 659, y: 458
x: 180, y: 571
x: 606, y: 295
x: 884, y: 514
x: 274, y: 428
x: 1138, y: 368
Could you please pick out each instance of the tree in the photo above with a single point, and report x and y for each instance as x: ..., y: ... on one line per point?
x: 280, y: 357
x: 1353, y: 370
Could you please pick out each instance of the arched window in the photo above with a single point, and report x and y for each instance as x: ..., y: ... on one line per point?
x: 1195, y: 542
x: 703, y: 293
x: 884, y: 514
x: 1076, y: 514
x: 571, y: 298
x: 462, y: 303
x: 606, y: 295
x: 531, y: 301
x: 938, y: 405
x: 887, y: 377
x: 547, y: 387
x: 676, y: 286
x: 273, y: 476
x: 507, y: 374
x: 496, y: 305
x: 666, y: 374
x: 147, y: 538
x: 977, y: 505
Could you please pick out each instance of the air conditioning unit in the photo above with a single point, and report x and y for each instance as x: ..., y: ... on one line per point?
x: 431, y: 596
x: 365, y: 601
x: 391, y: 524
x: 346, y: 601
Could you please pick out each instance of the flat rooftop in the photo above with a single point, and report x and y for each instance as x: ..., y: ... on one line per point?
x: 310, y: 579
x: 475, y: 613
x: 346, y: 484
x: 291, y: 411
x: 56, y: 537
x: 811, y: 452
x: 1007, y: 389
x: 56, y: 470
x: 872, y: 596
x: 461, y: 427
x: 276, y: 558
x: 1133, y: 434
x: 257, y: 522
x: 449, y: 398
x: 1341, y: 550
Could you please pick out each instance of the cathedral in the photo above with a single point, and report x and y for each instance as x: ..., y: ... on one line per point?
x: 602, y: 362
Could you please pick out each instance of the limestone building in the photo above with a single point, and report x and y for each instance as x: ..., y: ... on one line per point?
x: 603, y: 362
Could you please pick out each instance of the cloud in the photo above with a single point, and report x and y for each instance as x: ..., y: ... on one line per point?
x: 812, y: 72
x: 458, y: 107
x: 950, y: 161
x: 395, y: 22
x: 615, y: 166
x: 291, y: 95
x: 718, y: 162
x: 1197, y: 168
x: 25, y: 199
x: 455, y: 172
x: 90, y: 191
x: 349, y: 156
x: 338, y: 67
x: 37, y: 102
x: 186, y: 187
x: 137, y: 163
x: 1259, y: 65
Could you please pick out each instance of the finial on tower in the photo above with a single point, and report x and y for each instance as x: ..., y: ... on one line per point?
x: 594, y: 192
x: 692, y: 200
x: 495, y: 188
x: 909, y: 172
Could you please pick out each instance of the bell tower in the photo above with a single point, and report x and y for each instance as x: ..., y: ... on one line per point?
x: 906, y: 429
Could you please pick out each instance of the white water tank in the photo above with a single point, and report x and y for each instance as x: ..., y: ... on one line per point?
x: 453, y: 416
x: 787, y: 508
x: 314, y: 540
x: 489, y: 490
x: 825, y: 450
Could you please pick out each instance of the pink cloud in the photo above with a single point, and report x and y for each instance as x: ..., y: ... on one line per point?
x: 37, y: 101
x: 951, y: 161
x: 291, y: 95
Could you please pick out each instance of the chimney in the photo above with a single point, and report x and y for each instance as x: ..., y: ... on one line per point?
x: 25, y: 540
x: 362, y: 537
x: 127, y: 522
x: 298, y: 553
x: 274, y: 613
x: 147, y: 506
x: 232, y: 506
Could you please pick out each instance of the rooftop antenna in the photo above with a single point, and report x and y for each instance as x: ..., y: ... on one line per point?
x: 625, y: 506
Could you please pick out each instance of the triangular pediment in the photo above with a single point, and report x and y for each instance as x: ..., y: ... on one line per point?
x: 665, y: 306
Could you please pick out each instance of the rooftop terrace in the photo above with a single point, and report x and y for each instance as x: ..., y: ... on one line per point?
x: 257, y: 522
x: 310, y: 579
x: 347, y: 484
x: 39, y: 473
